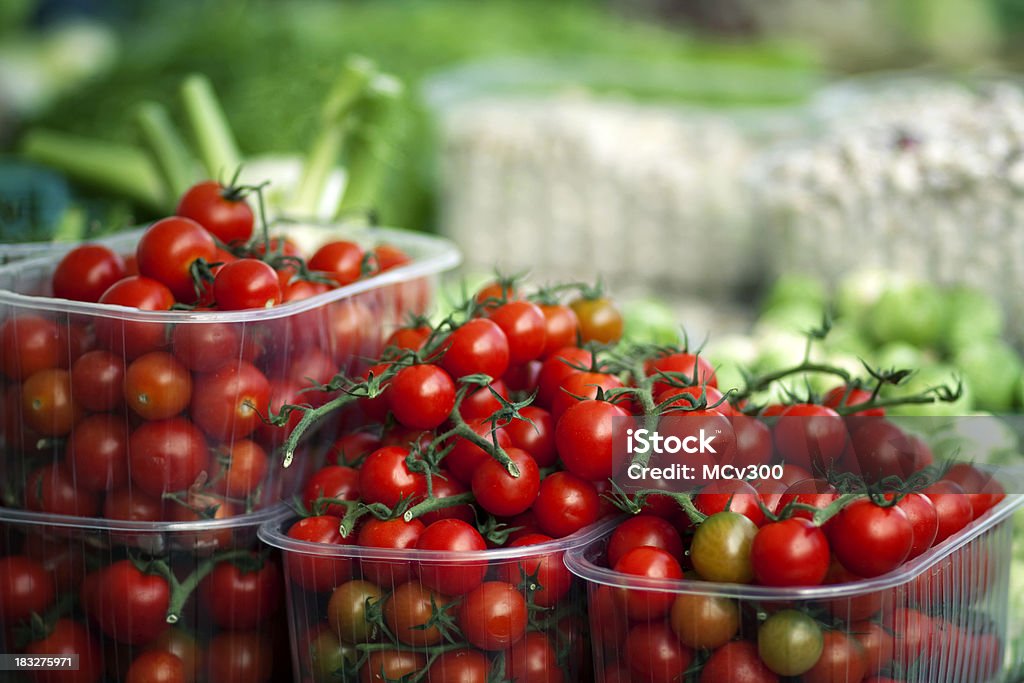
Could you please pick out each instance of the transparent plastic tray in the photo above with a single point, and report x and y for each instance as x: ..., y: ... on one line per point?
x: 556, y: 639
x: 945, y: 612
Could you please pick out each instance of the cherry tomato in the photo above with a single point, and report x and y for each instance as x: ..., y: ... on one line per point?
x: 585, y: 436
x: 477, y: 347
x: 525, y: 328
x: 581, y: 386
x: 341, y: 260
x: 167, y: 251
x: 493, y: 616
x: 736, y: 662
x: 244, y: 464
x: 842, y: 396
x: 30, y: 345
x: 534, y: 658
x: 393, y: 533
x: 654, y: 654
x: 498, y: 492
x: 222, y: 210
x: 496, y: 293
x: 753, y: 441
x: 882, y: 450
x: 47, y: 406
x: 157, y: 386
x: 240, y: 657
x: 694, y: 367
x: 206, y: 346
x: 565, y: 504
x: 156, y: 667
x: 556, y: 368
x: 730, y: 494
x: 721, y: 548
x: 228, y: 403
x: 480, y: 404
x: 242, y: 593
x: 535, y: 435
x: 924, y: 520
x: 445, y: 485
x: 452, y: 535
x: 791, y: 552
x: 86, y: 272
x: 336, y: 482
x: 132, y: 339
x: 704, y: 621
x: 97, y: 381
x: 599, y: 320
x: 810, y: 436
x: 408, y: 612
x: 246, y: 283
x: 385, y: 477
x: 643, y: 530
x: 25, y: 588
x: 460, y: 666
x: 817, y: 493
x: 97, y: 452
x: 465, y: 456
x: 982, y: 489
x: 52, y: 489
x: 543, y: 574
x: 654, y: 563
x: 128, y: 605
x: 313, y: 572
x: 408, y: 338
x: 391, y: 665
x: 952, y: 507
x: 132, y: 505
x: 862, y: 524
x: 789, y: 642
x: 352, y: 448
x: 877, y: 644
x: 348, y: 607
x: 421, y: 396
x: 561, y: 327
x: 166, y: 456
x: 68, y: 637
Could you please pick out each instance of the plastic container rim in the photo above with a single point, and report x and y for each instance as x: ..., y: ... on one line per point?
x: 583, y: 568
x: 270, y: 532
x: 441, y: 255
x: 29, y: 517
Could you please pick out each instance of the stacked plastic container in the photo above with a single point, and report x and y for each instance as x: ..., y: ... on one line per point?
x: 121, y: 518
x: 513, y: 613
x: 940, y: 618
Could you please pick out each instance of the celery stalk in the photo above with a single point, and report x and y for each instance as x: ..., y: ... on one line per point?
x: 334, y: 127
x: 168, y: 149
x: 209, y: 125
x: 117, y: 169
x: 369, y: 150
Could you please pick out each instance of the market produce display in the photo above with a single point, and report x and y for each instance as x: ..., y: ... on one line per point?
x: 138, y: 385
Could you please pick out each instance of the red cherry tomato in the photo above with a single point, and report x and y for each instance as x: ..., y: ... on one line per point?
x: 544, y: 574
x: 134, y: 338
x: 25, y: 588
x: 561, y: 327
x: 421, y: 396
x: 242, y: 593
x: 559, y: 365
x: 499, y: 492
x: 695, y: 368
x: 68, y: 637
x: 166, y: 456
x: 246, y: 283
x: 385, y: 477
x: 643, y: 530
x: 167, y: 251
x: 535, y: 435
x: 452, y: 535
x: 654, y: 563
x: 493, y: 616
x: 862, y: 524
x: 655, y: 654
x: 565, y: 504
x: 30, y: 344
x: 128, y: 605
x: 525, y: 328
x: 952, y: 507
x: 86, y: 272
x: 341, y: 260
x: 585, y: 437
x: 791, y: 552
x: 316, y: 572
x: 97, y: 381
x: 730, y: 494
x: 477, y: 347
x: 228, y: 403
x: 221, y: 210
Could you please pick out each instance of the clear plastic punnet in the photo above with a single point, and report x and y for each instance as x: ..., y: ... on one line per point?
x: 513, y: 613
x: 113, y: 601
x: 940, y: 618
x: 104, y: 403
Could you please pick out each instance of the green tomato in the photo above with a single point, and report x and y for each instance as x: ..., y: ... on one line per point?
x: 925, y: 378
x: 914, y: 314
x: 796, y: 289
x: 347, y: 610
x: 779, y: 350
x: 971, y: 315
x: 899, y: 355
x: 792, y: 317
x: 858, y: 292
x: 790, y: 642
x: 649, y: 321
x: 845, y: 337
x: 993, y: 369
x: 720, y: 550
x: 328, y: 657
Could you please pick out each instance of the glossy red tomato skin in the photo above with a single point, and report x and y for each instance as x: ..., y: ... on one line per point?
x: 810, y: 436
x: 167, y: 250
x: 134, y: 338
x: 696, y: 368
x: 882, y: 450
x: 565, y: 504
x: 86, y: 272
x: 983, y: 490
x: 817, y: 493
x: 525, y: 329
x: 553, y: 579
x: 853, y: 397
x: 842, y: 659
x: 561, y: 328
x: 228, y: 403
x: 655, y: 654
x: 876, y: 642
x: 26, y: 588
x: 52, y: 489
x: 157, y: 386
x: 790, y: 552
x: 385, y: 477
x: 736, y: 662
x: 446, y: 486
x: 493, y: 616
x: 337, y: 482
x: 585, y: 437
x: 499, y: 492
x: 240, y: 657
x: 465, y: 456
x: 557, y: 366
x: 341, y: 260
x: 97, y: 452
x: 97, y: 381
x: 452, y: 535
x: 128, y: 605
x: 394, y: 533
x: 862, y: 524
x: 246, y: 284
x: 206, y: 346
x: 68, y: 637
x: 313, y: 572
x: 166, y: 455
x: 585, y: 385
x: 534, y: 658
x: 156, y: 667
x: 421, y: 396
x: 644, y: 530
x: 240, y: 598
x: 952, y: 508
x: 735, y: 495
x: 30, y: 344
x: 477, y: 347
x: 535, y: 435
x: 924, y: 520
x: 132, y: 505
x: 228, y: 218
x: 654, y: 563
x: 480, y: 404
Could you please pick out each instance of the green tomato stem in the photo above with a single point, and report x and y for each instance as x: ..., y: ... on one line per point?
x: 181, y: 591
x: 433, y: 504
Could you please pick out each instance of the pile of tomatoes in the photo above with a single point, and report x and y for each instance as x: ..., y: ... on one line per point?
x: 163, y: 417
